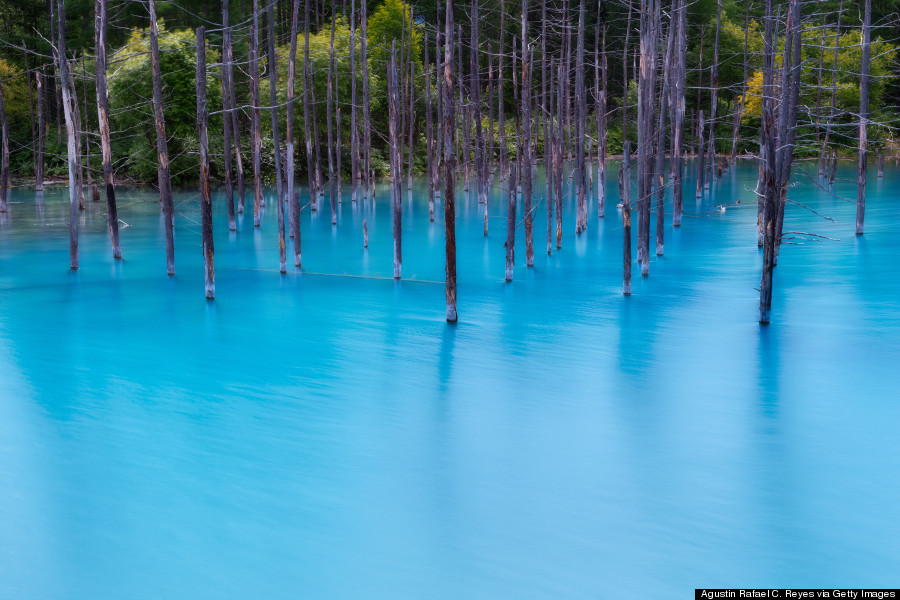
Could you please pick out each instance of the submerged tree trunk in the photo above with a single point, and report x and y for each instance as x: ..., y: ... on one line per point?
x: 678, y: 118
x: 714, y: 102
x: 63, y: 71
x: 276, y: 141
x: 205, y: 197
x: 510, y: 244
x: 429, y: 133
x: 310, y: 171
x: 232, y: 101
x: 450, y: 168
x: 834, y: 70
x: 227, y: 126
x: 4, y: 155
x: 625, y: 196
x: 329, y: 105
x: 367, y: 121
x: 289, y: 134
x: 580, y: 127
x: 112, y: 217
x: 525, y: 173
x: 40, y: 79
x: 162, y: 147
x: 354, y: 126
x: 659, y: 172
x: 396, y: 157
x: 863, y: 119
x: 255, y: 133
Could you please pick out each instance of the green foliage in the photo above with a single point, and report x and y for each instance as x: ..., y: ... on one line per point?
x: 130, y: 96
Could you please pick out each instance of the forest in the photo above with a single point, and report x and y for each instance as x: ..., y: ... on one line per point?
x: 321, y: 95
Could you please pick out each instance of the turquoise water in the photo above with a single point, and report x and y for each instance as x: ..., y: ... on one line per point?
x: 326, y: 434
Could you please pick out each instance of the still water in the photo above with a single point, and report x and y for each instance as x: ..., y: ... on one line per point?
x: 326, y: 434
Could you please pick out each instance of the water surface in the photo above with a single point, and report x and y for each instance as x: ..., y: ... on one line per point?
x: 325, y: 434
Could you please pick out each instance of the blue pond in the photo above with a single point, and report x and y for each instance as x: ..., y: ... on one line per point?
x: 326, y: 434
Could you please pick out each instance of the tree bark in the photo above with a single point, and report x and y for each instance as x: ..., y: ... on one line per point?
x: 525, y: 174
x: 310, y: 171
x: 4, y: 155
x: 678, y: 118
x: 510, y: 244
x: 289, y: 133
x: 396, y: 158
x: 366, y: 114
x: 625, y: 196
x: 40, y: 78
x: 205, y: 197
x: 255, y: 134
x: 580, y: 126
x: 354, y: 125
x: 661, y: 133
x: 429, y: 133
x: 103, y: 118
x: 162, y: 148
x: 863, y: 119
x: 235, y: 122
x: 227, y: 125
x: 276, y: 140
x: 329, y: 106
x: 450, y: 168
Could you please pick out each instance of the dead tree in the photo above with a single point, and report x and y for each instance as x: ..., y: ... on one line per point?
x: 738, y: 113
x: 40, y: 78
x: 289, y: 134
x: 600, y: 93
x: 255, y: 133
x: 558, y: 151
x: 4, y: 155
x: 778, y: 139
x: 863, y: 118
x: 525, y: 173
x: 625, y: 197
x: 162, y: 147
x: 227, y: 124
x: 233, y: 112
x: 396, y: 157
x: 62, y: 67
x: 580, y: 127
x: 501, y: 114
x: 30, y: 107
x: 646, y: 135
x: 329, y: 106
x: 701, y: 169
x: 112, y: 217
x: 205, y: 197
x: 276, y: 141
x: 449, y: 119
x: 310, y: 171
x: 354, y: 125
x: 714, y: 101
x: 832, y: 111
x: 475, y: 92
x: 429, y: 133
x: 678, y: 117
x: 367, y: 121
x: 661, y: 134
x: 510, y: 244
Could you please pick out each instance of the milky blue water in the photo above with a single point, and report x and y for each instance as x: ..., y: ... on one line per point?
x: 326, y: 434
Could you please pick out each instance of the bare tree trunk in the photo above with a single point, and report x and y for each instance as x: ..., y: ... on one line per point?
x: 831, y: 113
x: 646, y: 135
x: 863, y: 118
x: 76, y: 115
x: 525, y: 174
x: 276, y: 140
x: 450, y: 166
x: 661, y: 133
x: 600, y: 89
x: 580, y: 126
x: 366, y: 115
x: 289, y: 133
x: 429, y: 133
x: 40, y: 78
x: 4, y: 155
x: 701, y: 170
x: 558, y: 152
x: 95, y: 197
x: 880, y: 165
x: 329, y: 106
x: 205, y: 197
x: 30, y: 107
x: 625, y: 76
x: 103, y: 118
x: 412, y: 112
x: 501, y: 114
x: 625, y: 196
x: 255, y: 134
x: 510, y: 244
x: 475, y: 93
x: 678, y: 117
x: 162, y: 148
x: 227, y: 123
x: 714, y: 101
x: 310, y: 171
x: 235, y: 123
x: 354, y: 126
x: 317, y: 139
x: 738, y: 113
x: 396, y: 158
